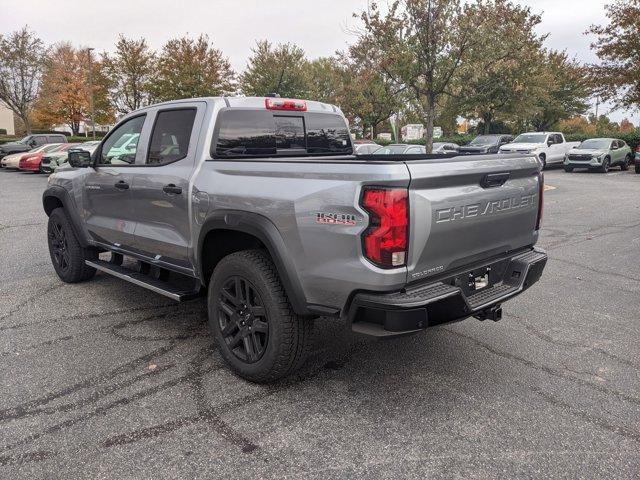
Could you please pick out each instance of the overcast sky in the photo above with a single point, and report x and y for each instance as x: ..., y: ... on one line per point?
x: 319, y: 26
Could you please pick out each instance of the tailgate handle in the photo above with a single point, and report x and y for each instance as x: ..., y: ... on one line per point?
x: 494, y: 180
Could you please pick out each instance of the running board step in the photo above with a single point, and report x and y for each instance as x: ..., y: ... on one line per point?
x: 176, y: 293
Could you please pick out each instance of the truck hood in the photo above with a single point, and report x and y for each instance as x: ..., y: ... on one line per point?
x: 587, y: 151
x: 516, y: 147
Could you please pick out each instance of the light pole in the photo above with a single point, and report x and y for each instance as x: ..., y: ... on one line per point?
x: 93, y: 119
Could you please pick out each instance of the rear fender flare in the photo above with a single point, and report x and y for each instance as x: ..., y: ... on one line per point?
x: 264, y: 230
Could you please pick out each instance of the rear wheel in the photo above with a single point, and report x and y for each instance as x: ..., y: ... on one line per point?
x: 257, y: 332
x: 606, y: 163
x: 637, y: 168
x: 625, y: 165
x: 67, y: 255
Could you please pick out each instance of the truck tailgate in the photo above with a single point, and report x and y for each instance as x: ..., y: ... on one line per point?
x: 467, y: 209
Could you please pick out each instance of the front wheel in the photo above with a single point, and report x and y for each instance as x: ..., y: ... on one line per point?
x: 568, y: 169
x: 606, y: 163
x: 543, y: 160
x: 637, y: 168
x: 67, y: 255
x: 255, y: 328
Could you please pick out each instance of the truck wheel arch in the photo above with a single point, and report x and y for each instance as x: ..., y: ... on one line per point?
x: 57, y: 197
x: 266, y: 235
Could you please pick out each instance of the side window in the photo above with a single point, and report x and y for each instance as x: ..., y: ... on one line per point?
x: 413, y: 150
x: 327, y: 134
x: 121, y: 146
x: 170, y: 136
x: 41, y: 140
x: 559, y: 138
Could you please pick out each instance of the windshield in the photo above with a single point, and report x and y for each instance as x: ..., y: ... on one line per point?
x: 25, y: 139
x: 531, y: 138
x: 484, y: 140
x: 50, y: 148
x: 391, y: 150
x: 595, y: 144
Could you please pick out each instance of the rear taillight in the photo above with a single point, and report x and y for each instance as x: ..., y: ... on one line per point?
x: 540, y: 200
x: 285, y: 104
x: 385, y: 241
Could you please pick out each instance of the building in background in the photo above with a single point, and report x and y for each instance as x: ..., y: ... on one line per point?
x: 6, y: 120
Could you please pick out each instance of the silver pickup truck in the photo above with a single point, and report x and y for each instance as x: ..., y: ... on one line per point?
x: 260, y: 203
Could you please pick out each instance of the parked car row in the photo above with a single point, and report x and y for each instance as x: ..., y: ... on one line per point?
x: 44, y: 158
x: 551, y: 148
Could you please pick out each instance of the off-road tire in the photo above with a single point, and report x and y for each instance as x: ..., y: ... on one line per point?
x: 63, y: 244
x: 290, y: 336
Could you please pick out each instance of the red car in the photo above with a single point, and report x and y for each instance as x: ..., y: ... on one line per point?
x: 32, y: 163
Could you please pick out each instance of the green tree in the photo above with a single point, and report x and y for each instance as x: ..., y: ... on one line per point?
x: 499, y: 78
x: 22, y: 56
x: 618, y: 46
x: 188, y: 68
x: 128, y: 73
x: 566, y: 90
x: 366, y: 94
x: 421, y: 45
x: 324, y: 79
x: 281, y: 69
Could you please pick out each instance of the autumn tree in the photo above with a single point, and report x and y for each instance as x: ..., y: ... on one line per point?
x: 421, y: 45
x: 618, y: 46
x: 626, y: 126
x: 22, y: 56
x: 128, y: 73
x: 188, y: 68
x: 576, y: 125
x: 281, y: 69
x: 566, y: 90
x: 65, y: 95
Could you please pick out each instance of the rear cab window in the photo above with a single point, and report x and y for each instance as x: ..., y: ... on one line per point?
x: 251, y: 133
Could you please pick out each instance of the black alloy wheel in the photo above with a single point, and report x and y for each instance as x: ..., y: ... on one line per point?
x: 59, y: 245
x: 243, y: 319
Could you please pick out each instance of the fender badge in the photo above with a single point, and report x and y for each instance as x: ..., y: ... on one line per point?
x: 335, y: 218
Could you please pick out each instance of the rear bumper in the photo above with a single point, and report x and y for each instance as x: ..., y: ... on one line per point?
x: 427, y: 305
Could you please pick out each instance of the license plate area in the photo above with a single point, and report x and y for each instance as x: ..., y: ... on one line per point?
x: 480, y: 278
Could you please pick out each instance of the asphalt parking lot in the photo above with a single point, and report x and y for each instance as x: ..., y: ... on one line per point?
x: 107, y: 380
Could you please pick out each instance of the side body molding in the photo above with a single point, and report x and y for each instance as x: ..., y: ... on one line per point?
x: 263, y: 229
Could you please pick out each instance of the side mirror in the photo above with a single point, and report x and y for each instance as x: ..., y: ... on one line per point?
x: 32, y: 143
x: 614, y: 147
x: 550, y: 142
x: 79, y: 158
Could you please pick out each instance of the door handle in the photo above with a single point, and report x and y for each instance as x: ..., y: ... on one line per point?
x: 171, y: 188
x: 122, y: 185
x: 494, y: 179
